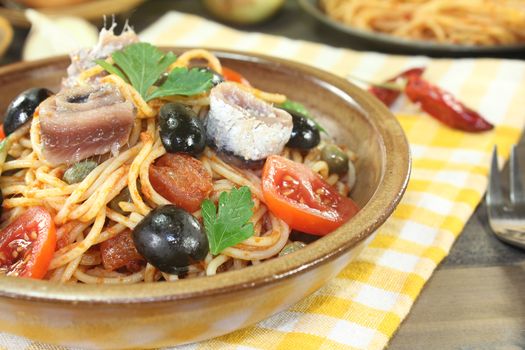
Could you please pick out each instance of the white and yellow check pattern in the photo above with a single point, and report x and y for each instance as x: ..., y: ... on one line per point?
x: 364, y: 305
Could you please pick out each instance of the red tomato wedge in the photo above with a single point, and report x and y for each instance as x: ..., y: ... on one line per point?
x: 2, y: 133
x: 302, y: 198
x: 27, y: 245
x: 232, y: 75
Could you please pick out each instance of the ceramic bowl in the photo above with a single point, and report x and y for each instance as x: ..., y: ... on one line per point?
x: 166, y: 314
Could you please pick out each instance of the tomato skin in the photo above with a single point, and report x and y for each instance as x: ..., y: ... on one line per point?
x: 232, y: 75
x: 181, y: 179
x: 120, y: 251
x: 2, y: 133
x: 302, y: 199
x: 40, y: 249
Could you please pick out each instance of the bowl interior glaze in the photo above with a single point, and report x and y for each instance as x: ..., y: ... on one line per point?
x: 351, y: 116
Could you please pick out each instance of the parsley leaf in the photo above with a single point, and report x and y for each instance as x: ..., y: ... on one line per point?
x: 299, y: 108
x: 112, y: 69
x: 296, y: 107
x: 182, y: 81
x: 143, y: 64
x: 229, y: 225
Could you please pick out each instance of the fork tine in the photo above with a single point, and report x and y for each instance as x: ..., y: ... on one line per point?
x: 494, y: 194
x: 517, y: 196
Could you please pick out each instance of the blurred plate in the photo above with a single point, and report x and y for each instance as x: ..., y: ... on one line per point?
x: 91, y: 10
x: 6, y: 34
x: 385, y: 42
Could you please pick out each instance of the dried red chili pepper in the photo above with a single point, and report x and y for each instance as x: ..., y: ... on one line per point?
x: 437, y: 102
x: 443, y: 106
x: 389, y: 96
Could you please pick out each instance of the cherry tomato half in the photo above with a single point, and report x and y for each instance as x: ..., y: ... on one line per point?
x: 302, y: 198
x: 232, y: 75
x: 27, y: 244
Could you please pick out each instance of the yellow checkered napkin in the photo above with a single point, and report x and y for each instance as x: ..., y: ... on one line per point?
x: 364, y: 305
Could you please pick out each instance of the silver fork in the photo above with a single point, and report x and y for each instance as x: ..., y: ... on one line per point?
x: 507, y: 217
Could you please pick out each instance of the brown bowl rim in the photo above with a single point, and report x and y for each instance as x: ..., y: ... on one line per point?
x: 392, y: 185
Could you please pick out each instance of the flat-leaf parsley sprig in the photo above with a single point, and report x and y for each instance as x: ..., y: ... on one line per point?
x: 142, y: 64
x: 229, y: 225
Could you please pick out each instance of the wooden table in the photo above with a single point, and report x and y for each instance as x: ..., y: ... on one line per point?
x: 476, y: 298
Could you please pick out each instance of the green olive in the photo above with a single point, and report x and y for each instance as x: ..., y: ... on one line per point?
x: 336, y: 159
x: 292, y: 247
x: 79, y: 171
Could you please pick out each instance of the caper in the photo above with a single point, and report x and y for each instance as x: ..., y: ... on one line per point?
x: 336, y: 159
x: 79, y: 171
x: 123, y: 196
x: 292, y: 247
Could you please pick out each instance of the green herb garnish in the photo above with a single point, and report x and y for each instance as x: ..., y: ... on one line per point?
x: 299, y: 108
x: 229, y: 225
x: 112, y: 69
x: 182, y: 81
x: 142, y: 64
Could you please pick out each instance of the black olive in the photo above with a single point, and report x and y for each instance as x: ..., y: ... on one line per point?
x: 181, y: 130
x: 216, y: 79
x: 171, y: 239
x: 305, y: 134
x: 21, y: 109
x: 303, y: 237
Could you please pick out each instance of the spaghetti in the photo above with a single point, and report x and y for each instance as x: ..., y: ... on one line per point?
x: 81, y: 211
x: 466, y: 22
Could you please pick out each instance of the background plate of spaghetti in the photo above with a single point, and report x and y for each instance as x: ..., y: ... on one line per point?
x: 157, y: 314
x: 430, y: 27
